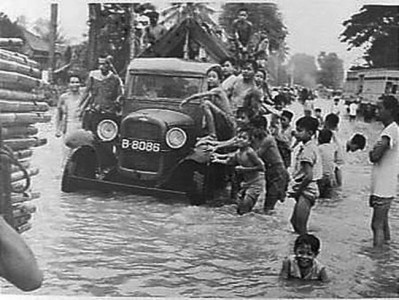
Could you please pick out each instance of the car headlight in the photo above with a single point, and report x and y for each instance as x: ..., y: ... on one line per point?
x: 107, y: 130
x: 176, y: 138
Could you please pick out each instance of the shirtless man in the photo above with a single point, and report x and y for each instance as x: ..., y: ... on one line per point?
x: 244, y: 83
x: 101, y: 94
x: 67, y: 119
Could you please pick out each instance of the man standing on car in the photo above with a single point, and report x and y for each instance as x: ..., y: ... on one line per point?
x: 101, y: 97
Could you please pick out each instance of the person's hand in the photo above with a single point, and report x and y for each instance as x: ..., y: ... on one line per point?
x: 184, y: 102
x: 22, y: 213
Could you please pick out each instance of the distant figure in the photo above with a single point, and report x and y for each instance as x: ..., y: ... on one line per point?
x: 336, y: 107
x: 353, y: 111
x: 331, y: 122
x: 319, y: 117
x: 303, y: 264
x: 17, y: 262
x: 327, y: 153
x: 251, y: 167
x: 154, y: 31
x: 385, y: 159
x: 356, y: 142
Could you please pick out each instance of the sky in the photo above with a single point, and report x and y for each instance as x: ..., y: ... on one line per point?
x: 313, y: 25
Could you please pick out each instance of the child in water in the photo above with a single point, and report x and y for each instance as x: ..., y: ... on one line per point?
x: 251, y: 167
x: 303, y: 264
x: 357, y: 142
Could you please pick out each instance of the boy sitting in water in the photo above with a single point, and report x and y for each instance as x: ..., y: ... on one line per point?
x: 251, y: 167
x: 303, y: 264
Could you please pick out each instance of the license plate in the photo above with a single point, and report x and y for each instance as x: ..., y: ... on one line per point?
x: 138, y: 145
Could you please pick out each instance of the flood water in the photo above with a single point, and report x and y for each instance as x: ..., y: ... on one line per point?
x: 96, y: 244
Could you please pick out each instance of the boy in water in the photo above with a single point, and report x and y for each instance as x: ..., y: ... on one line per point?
x: 276, y: 175
x: 357, y: 142
x: 307, y: 170
x: 327, y: 153
x: 303, y: 264
x: 251, y: 167
x: 331, y: 122
x: 385, y: 159
x: 284, y: 137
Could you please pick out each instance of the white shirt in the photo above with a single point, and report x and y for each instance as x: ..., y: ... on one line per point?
x: 352, y: 109
x: 384, y: 174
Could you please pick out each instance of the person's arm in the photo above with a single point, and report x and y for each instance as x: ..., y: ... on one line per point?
x: 285, y: 269
x: 306, y: 179
x: 323, y: 275
x: 196, y: 96
x: 17, y: 262
x: 224, y: 144
x: 230, y: 159
x: 83, y: 102
x: 379, y: 149
x: 60, y: 116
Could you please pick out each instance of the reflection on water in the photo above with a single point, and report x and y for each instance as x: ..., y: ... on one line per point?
x: 114, y: 244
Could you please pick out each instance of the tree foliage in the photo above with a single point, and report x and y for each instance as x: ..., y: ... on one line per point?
x: 179, y: 11
x: 303, y: 68
x: 41, y: 27
x: 377, y: 28
x: 9, y: 29
x: 331, y: 73
x: 264, y: 16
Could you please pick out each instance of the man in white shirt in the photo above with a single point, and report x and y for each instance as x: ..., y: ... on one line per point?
x: 385, y: 159
x: 353, y: 111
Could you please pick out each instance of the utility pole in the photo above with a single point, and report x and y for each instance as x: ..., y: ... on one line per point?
x: 53, y: 36
x: 132, y: 37
x: 94, y: 15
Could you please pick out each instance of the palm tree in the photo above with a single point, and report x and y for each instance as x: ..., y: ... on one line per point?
x: 201, y: 12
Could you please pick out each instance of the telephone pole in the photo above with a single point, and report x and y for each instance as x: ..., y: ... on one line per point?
x: 53, y: 37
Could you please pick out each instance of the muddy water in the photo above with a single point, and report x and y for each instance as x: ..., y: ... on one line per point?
x: 96, y: 244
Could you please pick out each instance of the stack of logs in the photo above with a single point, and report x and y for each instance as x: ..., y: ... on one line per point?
x: 20, y: 109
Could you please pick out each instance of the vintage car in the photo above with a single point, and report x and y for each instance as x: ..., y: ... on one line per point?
x: 153, y: 146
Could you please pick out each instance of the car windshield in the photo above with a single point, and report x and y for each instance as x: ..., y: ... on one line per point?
x: 162, y: 86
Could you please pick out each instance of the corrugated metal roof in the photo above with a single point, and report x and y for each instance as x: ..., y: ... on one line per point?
x: 168, y: 65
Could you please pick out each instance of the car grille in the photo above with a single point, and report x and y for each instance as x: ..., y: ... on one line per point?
x: 141, y: 160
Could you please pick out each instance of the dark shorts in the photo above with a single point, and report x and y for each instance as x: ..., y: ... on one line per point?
x: 380, y: 202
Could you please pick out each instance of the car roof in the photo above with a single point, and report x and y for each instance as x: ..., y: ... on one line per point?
x: 170, y: 66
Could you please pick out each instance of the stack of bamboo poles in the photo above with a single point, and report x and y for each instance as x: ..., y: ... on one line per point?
x: 20, y: 109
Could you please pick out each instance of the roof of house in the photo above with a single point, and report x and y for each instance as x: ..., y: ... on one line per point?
x: 35, y: 42
x: 168, y: 65
x: 172, y: 43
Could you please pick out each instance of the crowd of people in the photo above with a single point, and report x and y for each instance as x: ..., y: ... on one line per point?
x: 304, y: 163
